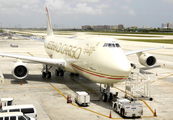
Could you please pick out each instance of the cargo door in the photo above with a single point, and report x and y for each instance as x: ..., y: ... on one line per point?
x: 88, y: 99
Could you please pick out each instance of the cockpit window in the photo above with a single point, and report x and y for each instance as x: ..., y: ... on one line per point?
x: 111, y: 45
x: 117, y: 45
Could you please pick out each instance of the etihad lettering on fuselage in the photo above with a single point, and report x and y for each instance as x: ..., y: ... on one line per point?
x: 70, y: 50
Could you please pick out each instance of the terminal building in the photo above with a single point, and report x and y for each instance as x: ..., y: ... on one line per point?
x: 167, y: 25
x: 103, y: 27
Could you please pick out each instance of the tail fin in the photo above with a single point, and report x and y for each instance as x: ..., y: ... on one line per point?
x: 49, y: 27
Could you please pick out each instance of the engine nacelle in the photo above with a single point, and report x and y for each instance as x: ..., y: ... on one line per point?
x: 19, y: 70
x: 146, y: 59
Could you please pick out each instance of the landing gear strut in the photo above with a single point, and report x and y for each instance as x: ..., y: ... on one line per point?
x: 106, y: 94
x: 45, y: 72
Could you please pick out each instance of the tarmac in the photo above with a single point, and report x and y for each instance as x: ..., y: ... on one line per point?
x: 49, y: 96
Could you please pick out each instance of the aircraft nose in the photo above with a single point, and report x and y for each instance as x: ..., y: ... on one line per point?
x: 123, y: 66
x: 124, y: 69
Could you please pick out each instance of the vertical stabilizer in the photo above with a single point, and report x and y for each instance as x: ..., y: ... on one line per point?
x: 49, y: 27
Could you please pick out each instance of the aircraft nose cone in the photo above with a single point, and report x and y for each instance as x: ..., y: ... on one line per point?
x: 123, y: 65
x: 124, y: 69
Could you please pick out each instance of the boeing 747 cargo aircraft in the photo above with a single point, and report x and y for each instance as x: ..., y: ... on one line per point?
x: 100, y: 59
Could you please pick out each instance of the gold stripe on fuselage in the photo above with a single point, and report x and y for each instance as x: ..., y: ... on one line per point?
x: 98, y: 72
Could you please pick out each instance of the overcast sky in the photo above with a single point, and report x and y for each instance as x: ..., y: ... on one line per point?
x: 75, y: 13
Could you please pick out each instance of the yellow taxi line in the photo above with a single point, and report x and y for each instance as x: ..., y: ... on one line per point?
x: 92, y: 110
x: 163, y: 78
x: 79, y: 106
x: 147, y: 106
x: 30, y: 54
x: 59, y: 91
x: 139, y: 99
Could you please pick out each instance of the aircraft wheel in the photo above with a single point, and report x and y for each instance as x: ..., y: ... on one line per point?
x: 104, y: 97
x: 122, y: 112
x: 76, y: 74
x: 72, y: 74
x: 43, y: 74
x: 61, y: 73
x: 115, y: 106
x: 49, y: 75
x: 110, y: 97
x: 57, y: 72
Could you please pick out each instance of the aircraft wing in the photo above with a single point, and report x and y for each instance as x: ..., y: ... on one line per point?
x: 141, y: 50
x: 30, y: 38
x: 72, y: 37
x: 48, y: 61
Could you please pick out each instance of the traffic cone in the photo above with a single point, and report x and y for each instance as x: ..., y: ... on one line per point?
x: 164, y: 64
x: 155, y: 113
x: 21, y: 82
x: 110, y: 116
x: 156, y: 73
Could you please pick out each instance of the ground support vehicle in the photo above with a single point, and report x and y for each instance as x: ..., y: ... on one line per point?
x: 28, y: 110
x: 127, y: 108
x: 6, y: 102
x: 14, y: 116
x: 82, y: 98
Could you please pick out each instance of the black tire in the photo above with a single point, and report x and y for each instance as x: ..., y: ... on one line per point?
x: 151, y: 99
x: 132, y: 99
x: 110, y: 97
x: 115, y: 107
x: 49, y: 75
x: 122, y: 113
x: 57, y: 72
x: 72, y: 74
x: 61, y: 73
x: 104, y: 97
x: 43, y: 74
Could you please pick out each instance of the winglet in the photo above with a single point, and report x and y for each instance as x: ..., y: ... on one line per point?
x: 49, y: 27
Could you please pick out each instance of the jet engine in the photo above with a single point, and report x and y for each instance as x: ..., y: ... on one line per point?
x: 19, y: 70
x: 146, y: 59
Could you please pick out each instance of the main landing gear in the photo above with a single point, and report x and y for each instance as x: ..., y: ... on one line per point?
x: 59, y: 72
x: 47, y: 74
x: 106, y: 94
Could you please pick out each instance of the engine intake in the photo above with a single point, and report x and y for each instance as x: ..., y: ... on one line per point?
x: 146, y: 59
x: 19, y: 70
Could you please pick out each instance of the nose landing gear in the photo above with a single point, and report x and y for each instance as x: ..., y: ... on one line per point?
x: 106, y: 94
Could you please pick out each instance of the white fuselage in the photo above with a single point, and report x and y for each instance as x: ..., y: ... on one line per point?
x: 93, y: 58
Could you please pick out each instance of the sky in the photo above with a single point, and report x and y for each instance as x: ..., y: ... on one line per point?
x: 75, y: 13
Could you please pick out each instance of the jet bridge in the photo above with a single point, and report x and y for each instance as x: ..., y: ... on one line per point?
x: 138, y: 85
